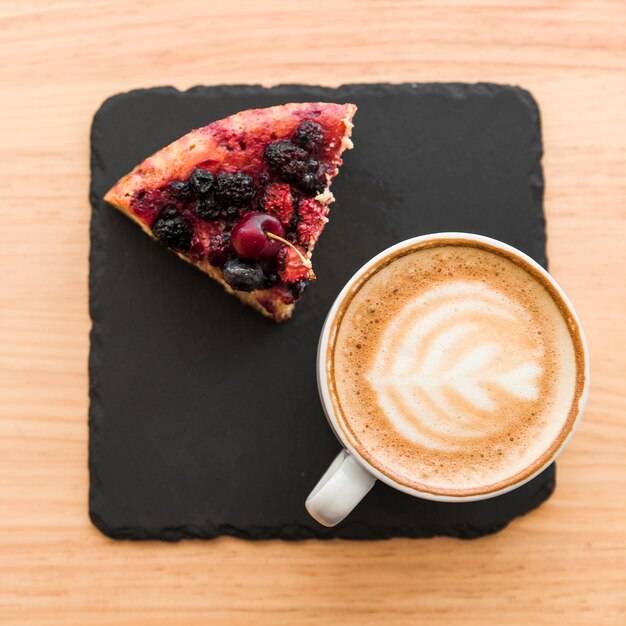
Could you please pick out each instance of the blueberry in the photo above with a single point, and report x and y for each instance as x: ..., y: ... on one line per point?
x: 179, y: 189
x: 243, y: 276
x: 171, y: 229
x: 201, y: 182
x: 234, y: 189
x: 309, y: 136
x: 207, y: 208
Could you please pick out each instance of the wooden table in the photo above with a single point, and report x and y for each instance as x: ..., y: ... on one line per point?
x: 564, y: 563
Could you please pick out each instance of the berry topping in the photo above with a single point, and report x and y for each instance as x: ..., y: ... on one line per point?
x: 243, y: 276
x: 294, y: 165
x: 309, y: 136
x: 147, y: 203
x: 198, y: 248
x: 171, y: 229
x: 201, y: 182
x: 219, y: 249
x: 207, y: 208
x: 277, y: 201
x: 291, y: 268
x: 180, y: 189
x: 249, y: 236
x: 236, y: 190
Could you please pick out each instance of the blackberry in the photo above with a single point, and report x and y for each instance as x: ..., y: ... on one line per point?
x: 219, y: 249
x: 313, y: 179
x: 207, y: 208
x: 234, y: 189
x: 309, y: 136
x: 171, y: 229
x: 179, y: 189
x: 243, y: 276
x: 284, y: 156
x: 201, y: 182
x: 294, y: 165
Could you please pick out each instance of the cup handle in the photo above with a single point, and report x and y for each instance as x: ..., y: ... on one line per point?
x: 339, y: 490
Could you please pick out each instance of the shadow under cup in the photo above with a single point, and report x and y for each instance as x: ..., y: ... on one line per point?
x: 451, y: 367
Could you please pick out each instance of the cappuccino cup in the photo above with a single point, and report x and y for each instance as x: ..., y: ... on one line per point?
x: 451, y: 367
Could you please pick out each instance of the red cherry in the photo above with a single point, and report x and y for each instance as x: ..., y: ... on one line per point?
x: 249, y: 240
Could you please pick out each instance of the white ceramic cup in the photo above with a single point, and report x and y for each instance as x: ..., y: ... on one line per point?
x: 350, y: 476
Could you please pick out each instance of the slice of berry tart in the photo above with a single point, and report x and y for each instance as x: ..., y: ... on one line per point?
x: 245, y: 198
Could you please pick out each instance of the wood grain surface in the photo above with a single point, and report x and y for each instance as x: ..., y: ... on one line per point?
x: 562, y: 564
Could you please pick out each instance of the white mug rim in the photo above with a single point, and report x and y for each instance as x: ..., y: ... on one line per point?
x: 322, y: 380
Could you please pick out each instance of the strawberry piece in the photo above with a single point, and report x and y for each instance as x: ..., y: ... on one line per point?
x: 312, y: 220
x: 277, y: 201
x: 290, y: 266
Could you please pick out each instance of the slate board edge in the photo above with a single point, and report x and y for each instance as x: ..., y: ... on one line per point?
x: 299, y: 532
x: 286, y: 531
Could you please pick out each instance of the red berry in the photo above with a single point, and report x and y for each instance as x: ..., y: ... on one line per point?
x: 312, y: 220
x: 219, y: 249
x: 277, y: 201
x: 249, y: 240
x: 290, y: 266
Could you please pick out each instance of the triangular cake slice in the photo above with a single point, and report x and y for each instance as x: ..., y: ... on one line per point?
x: 262, y: 176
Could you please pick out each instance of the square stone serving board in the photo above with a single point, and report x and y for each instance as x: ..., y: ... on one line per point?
x: 204, y: 417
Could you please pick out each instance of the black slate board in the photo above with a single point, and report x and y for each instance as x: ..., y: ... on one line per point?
x: 204, y: 416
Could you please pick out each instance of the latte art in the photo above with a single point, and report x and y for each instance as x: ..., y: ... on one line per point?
x: 454, y: 369
x: 443, y: 370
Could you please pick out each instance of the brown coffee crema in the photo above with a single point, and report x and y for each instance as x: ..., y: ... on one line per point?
x: 455, y: 368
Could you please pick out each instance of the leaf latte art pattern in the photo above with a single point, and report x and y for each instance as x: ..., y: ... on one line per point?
x: 451, y: 366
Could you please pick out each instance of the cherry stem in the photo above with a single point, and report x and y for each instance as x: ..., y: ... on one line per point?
x: 306, y: 262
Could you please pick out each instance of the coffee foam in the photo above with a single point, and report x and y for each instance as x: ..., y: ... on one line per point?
x: 453, y: 369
